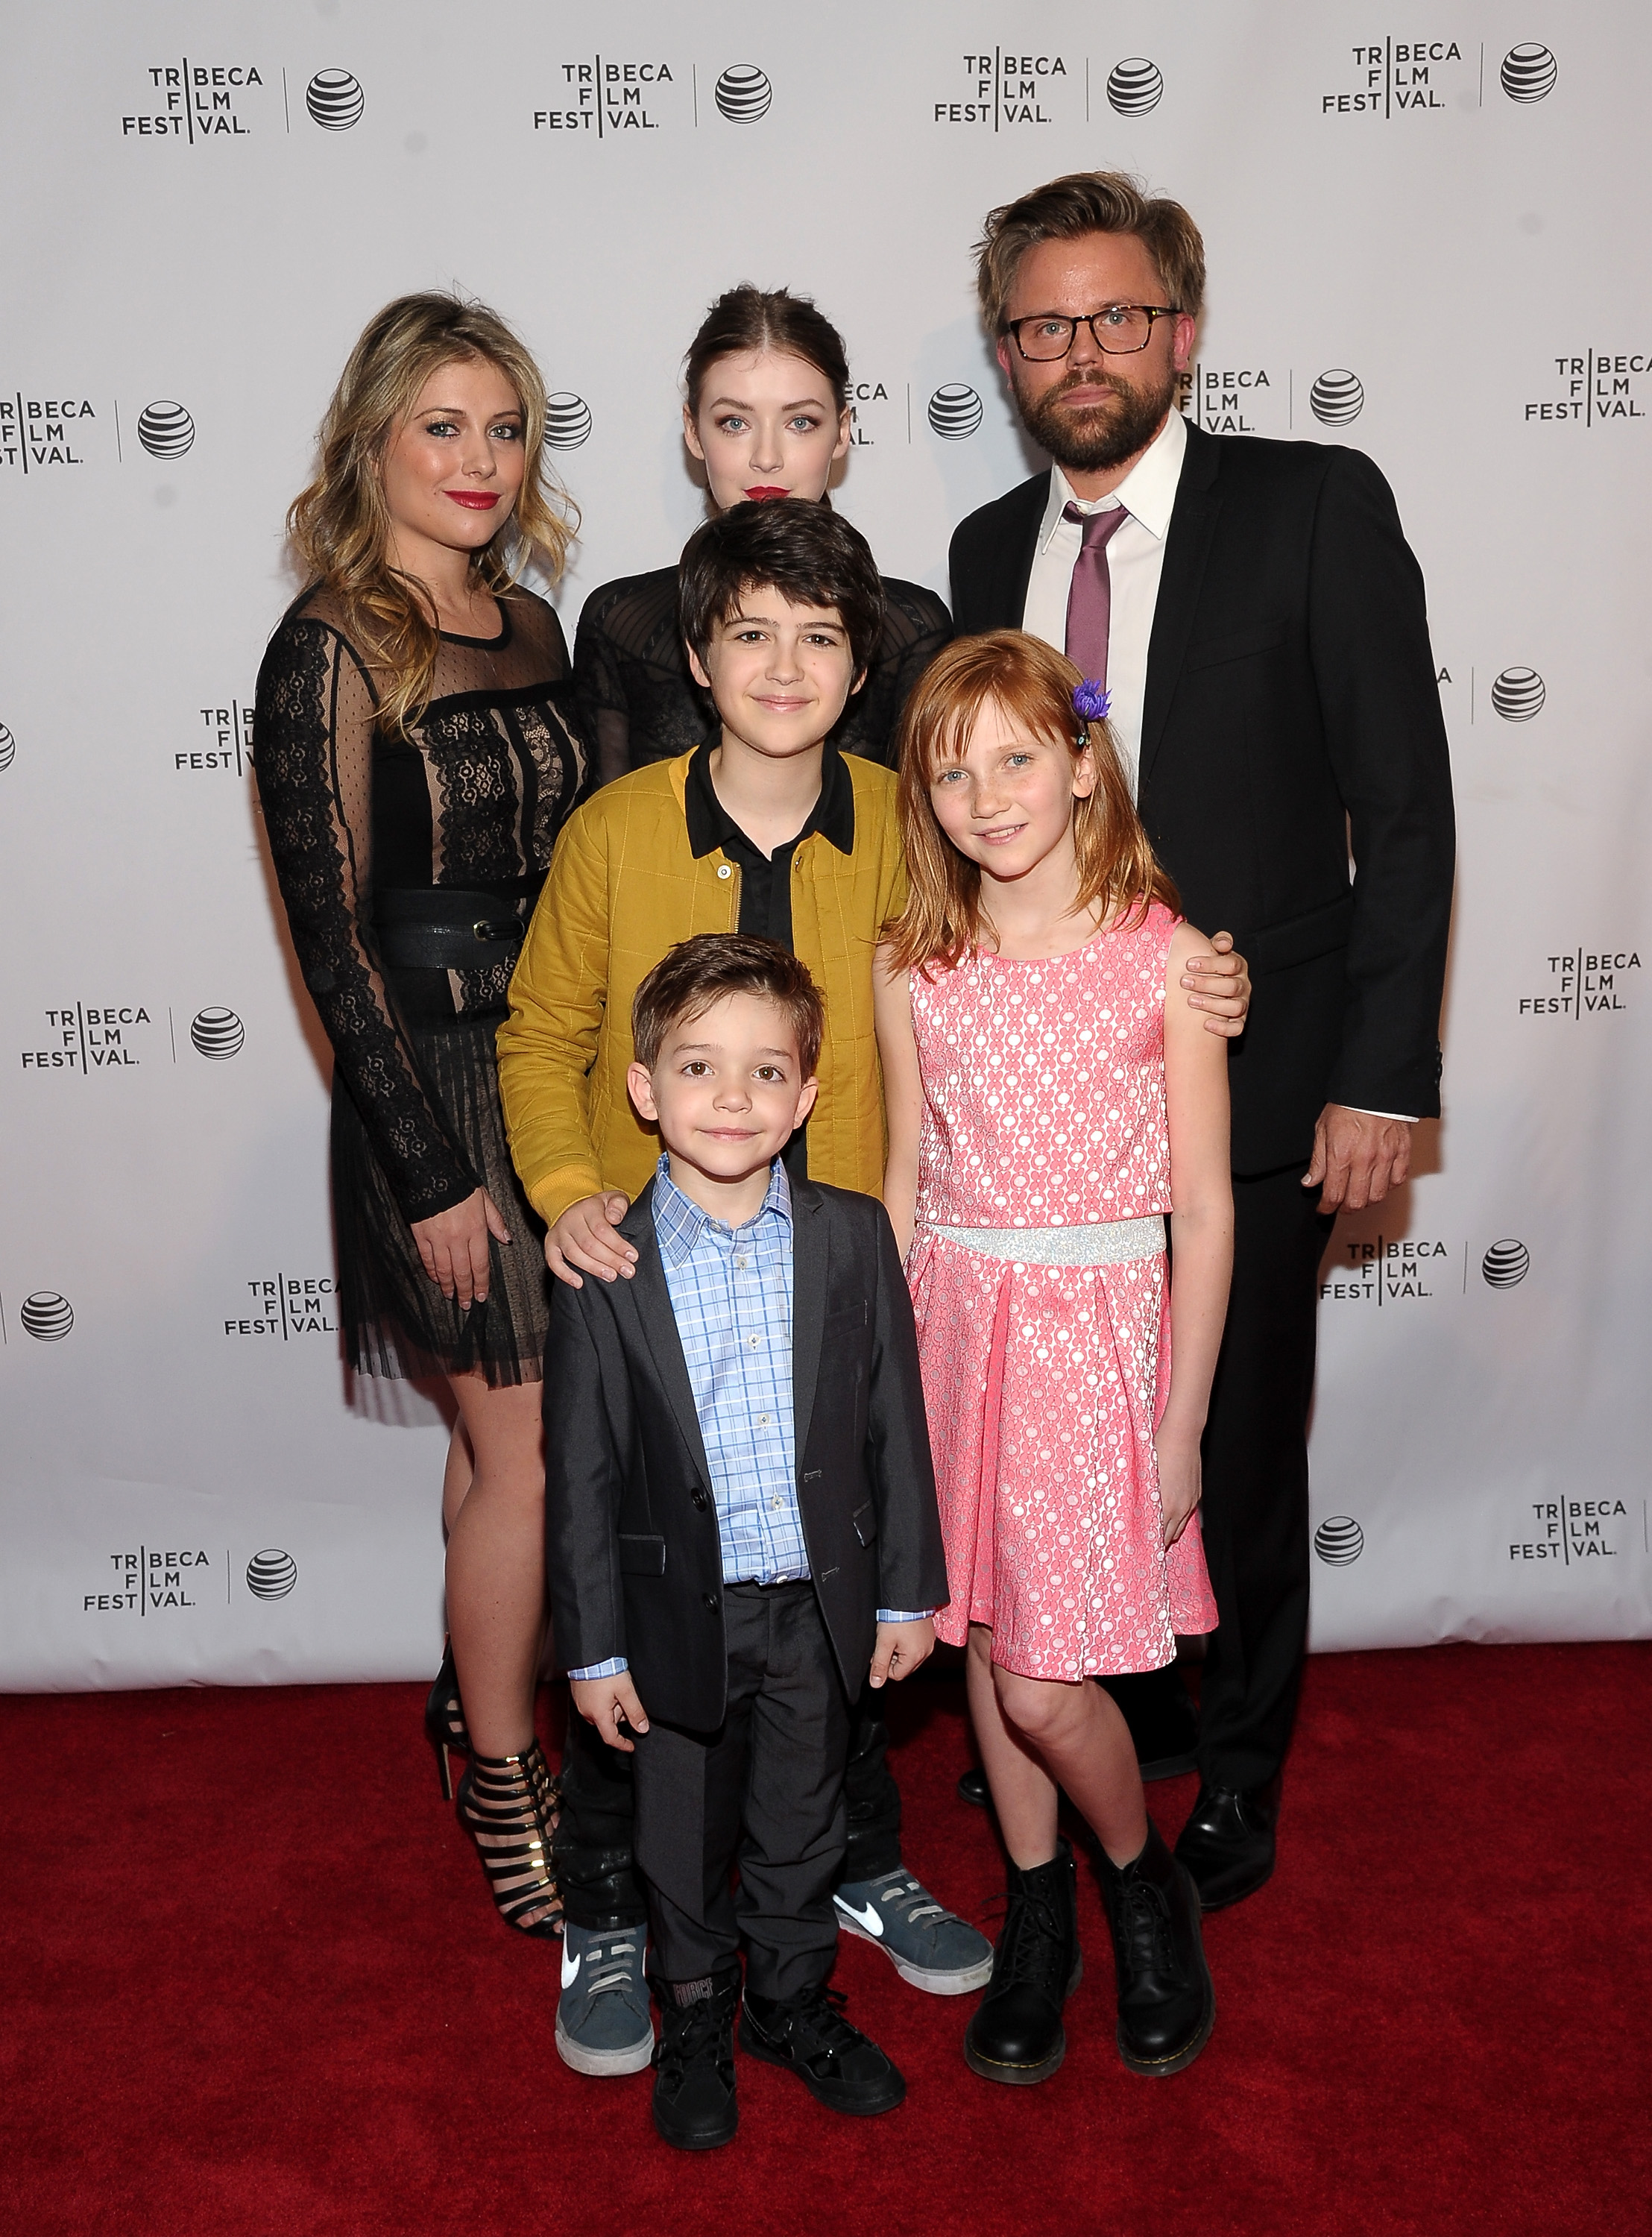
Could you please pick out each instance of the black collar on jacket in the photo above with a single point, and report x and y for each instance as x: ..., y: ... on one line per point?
x: 651, y: 1301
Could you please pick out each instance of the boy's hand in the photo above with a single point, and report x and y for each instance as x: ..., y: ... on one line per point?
x: 584, y: 1238
x: 604, y: 1701
x: 900, y: 1648
x: 1220, y: 984
x: 1180, y: 1480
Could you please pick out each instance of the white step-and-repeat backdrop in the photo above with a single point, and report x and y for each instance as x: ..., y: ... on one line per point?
x: 1426, y: 231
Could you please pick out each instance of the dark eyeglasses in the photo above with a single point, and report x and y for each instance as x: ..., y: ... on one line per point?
x: 1120, y: 329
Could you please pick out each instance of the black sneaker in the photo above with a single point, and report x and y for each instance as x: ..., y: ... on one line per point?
x: 810, y: 2037
x: 1166, y: 2003
x: 693, y: 2065
x: 1017, y: 2034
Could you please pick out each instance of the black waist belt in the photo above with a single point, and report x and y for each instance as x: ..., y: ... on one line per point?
x: 453, y: 928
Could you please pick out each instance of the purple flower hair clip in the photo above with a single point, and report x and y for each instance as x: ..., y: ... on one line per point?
x: 1090, y: 702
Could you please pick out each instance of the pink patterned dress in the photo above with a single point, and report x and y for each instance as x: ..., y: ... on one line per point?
x: 1044, y: 1109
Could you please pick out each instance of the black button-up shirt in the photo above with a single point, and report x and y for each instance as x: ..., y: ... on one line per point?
x: 766, y: 880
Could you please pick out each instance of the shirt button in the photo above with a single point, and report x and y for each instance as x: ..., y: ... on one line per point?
x: 742, y: 1261
x: 725, y: 869
x: 751, y: 1342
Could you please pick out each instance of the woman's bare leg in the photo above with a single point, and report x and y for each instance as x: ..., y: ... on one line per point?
x: 495, y: 1561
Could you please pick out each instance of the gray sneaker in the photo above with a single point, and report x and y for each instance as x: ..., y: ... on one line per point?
x: 603, y: 2025
x: 927, y: 1944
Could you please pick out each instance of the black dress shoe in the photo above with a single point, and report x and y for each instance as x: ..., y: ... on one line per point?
x: 809, y: 2037
x: 973, y: 1787
x: 1017, y: 2034
x: 1155, y: 1705
x: 1166, y: 2003
x: 1227, y: 1843
x: 693, y: 2065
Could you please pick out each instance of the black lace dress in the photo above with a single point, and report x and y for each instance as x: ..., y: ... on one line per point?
x: 472, y: 799
x: 639, y: 703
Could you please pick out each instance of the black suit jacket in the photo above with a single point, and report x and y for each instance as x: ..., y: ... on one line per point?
x: 633, y: 1556
x: 1291, y: 712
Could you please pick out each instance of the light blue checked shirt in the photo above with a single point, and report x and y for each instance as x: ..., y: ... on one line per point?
x: 731, y: 1291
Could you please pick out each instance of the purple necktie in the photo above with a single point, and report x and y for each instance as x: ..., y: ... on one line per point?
x: 1091, y: 599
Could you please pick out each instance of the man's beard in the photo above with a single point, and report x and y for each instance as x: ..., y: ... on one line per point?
x: 1097, y: 436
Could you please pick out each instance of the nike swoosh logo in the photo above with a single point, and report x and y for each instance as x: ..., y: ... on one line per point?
x: 571, y: 1967
x: 868, y: 1917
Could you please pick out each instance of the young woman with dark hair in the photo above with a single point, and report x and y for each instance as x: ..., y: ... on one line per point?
x: 766, y: 412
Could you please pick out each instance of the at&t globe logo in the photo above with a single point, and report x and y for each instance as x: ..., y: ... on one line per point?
x: 954, y: 411
x: 8, y: 747
x: 47, y: 1316
x: 567, y: 420
x: 1135, y: 86
x: 164, y: 429
x: 1505, y: 1263
x: 335, y: 99
x: 1517, y: 694
x: 743, y: 93
x: 218, y: 1034
x: 272, y: 1575
x: 1528, y: 72
x: 1339, y: 1540
x: 1336, y: 396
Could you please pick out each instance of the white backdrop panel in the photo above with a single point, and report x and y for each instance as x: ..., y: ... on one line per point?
x: 1424, y: 239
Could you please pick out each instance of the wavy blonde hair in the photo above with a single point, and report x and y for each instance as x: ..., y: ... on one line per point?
x: 340, y: 523
x: 1118, y: 873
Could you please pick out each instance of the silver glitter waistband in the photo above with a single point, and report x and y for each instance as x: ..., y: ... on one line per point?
x: 1115, y: 1242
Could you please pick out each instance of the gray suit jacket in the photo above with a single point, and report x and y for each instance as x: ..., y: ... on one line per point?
x: 633, y: 1557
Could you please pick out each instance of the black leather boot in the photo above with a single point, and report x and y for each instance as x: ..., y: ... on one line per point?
x: 694, y: 2062
x: 1017, y: 2034
x: 1166, y: 2003
x: 1227, y: 1843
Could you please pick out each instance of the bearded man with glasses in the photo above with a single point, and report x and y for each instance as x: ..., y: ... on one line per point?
x: 1258, y: 618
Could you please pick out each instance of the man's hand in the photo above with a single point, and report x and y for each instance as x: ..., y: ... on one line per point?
x: 453, y: 1246
x: 1359, y: 1157
x: 584, y: 1237
x: 604, y: 1701
x: 1220, y: 984
x: 900, y: 1648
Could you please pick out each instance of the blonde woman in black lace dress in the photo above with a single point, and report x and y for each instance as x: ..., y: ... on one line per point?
x: 417, y: 754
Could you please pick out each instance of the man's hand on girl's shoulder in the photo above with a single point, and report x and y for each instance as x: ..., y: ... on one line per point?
x: 1220, y: 984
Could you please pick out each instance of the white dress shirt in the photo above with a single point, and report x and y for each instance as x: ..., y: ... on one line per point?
x: 1134, y: 563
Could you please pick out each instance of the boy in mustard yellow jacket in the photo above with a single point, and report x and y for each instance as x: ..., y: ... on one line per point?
x: 765, y: 829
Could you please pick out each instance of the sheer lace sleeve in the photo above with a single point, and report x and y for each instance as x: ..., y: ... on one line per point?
x: 314, y: 739
x: 916, y: 626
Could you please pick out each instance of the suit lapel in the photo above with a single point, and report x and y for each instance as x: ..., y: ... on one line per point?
x: 1017, y: 554
x: 651, y: 1301
x: 1187, y: 547
x: 811, y: 1264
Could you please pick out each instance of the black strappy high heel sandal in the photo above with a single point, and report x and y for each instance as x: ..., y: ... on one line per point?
x: 444, y: 1725
x: 509, y: 1805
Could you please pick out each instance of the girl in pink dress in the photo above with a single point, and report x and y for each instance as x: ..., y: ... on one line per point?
x: 1047, y: 1110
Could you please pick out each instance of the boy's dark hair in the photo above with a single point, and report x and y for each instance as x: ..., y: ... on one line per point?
x: 697, y: 972
x: 807, y: 552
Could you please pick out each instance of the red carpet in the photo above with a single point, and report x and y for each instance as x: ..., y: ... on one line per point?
x: 253, y: 1984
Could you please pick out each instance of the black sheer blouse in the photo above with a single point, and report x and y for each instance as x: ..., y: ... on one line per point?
x: 473, y: 797
x: 639, y: 703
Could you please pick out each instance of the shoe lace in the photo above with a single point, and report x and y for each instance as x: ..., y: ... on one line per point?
x: 1032, y: 1948
x: 607, y: 1968
x: 913, y: 1901
x: 1142, y: 1930
x: 690, y: 2031
x: 819, y: 2013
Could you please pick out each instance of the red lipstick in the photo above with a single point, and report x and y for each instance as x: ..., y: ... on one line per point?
x: 764, y: 490
x: 478, y: 500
